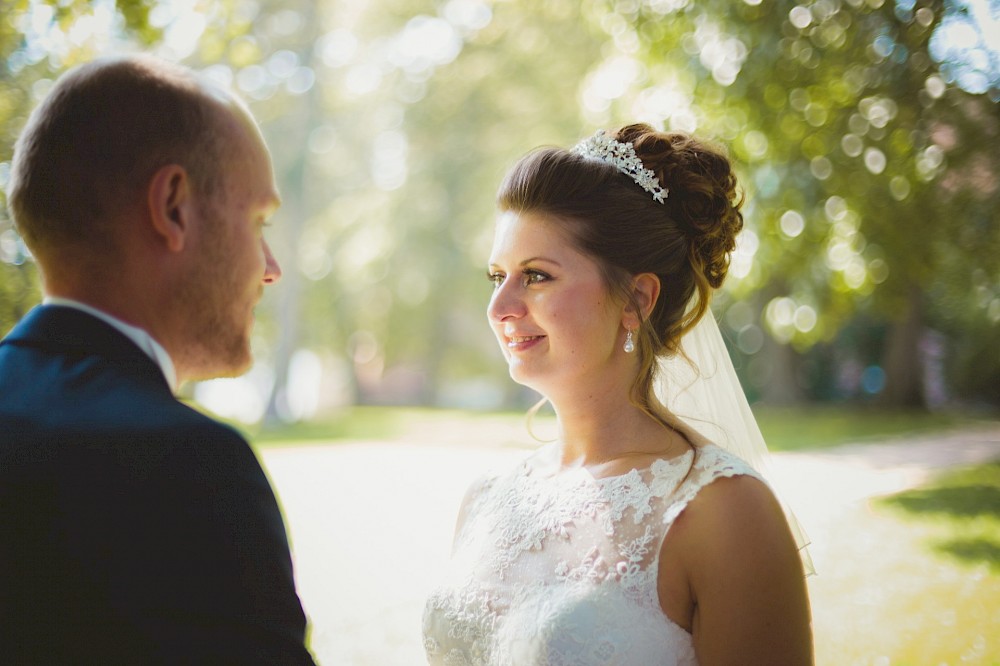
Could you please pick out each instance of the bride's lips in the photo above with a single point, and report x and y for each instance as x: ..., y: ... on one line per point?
x: 519, y: 343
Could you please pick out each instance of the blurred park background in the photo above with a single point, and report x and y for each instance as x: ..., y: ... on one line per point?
x: 867, y: 135
x: 864, y: 296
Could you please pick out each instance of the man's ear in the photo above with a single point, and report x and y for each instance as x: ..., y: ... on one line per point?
x: 645, y: 291
x: 171, y: 205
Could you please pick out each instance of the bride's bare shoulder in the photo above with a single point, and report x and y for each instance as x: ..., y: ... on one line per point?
x: 730, y: 515
x: 744, y: 575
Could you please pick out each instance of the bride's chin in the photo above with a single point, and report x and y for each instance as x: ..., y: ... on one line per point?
x: 525, y: 379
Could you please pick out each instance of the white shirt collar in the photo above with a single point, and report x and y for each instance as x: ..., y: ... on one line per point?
x: 141, y: 338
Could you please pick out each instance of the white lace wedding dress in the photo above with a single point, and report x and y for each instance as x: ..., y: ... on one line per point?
x: 561, y: 570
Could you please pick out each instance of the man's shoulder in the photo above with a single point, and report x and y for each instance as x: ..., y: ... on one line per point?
x: 178, y: 418
x: 89, y: 394
x: 99, y: 410
x: 56, y: 348
x: 165, y: 423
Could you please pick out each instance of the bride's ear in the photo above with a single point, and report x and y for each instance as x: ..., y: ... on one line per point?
x: 645, y: 291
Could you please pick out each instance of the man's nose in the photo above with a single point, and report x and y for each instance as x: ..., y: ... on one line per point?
x: 272, y: 271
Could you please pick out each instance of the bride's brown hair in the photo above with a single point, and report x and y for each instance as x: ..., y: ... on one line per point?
x: 685, y: 241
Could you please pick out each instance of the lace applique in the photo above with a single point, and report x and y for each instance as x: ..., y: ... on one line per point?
x: 527, y: 515
x: 456, y: 658
x: 665, y: 475
x: 635, y: 552
x: 593, y: 568
x: 563, y: 570
x: 626, y: 492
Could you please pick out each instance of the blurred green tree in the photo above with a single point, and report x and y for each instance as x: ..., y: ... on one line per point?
x: 872, y: 172
x: 37, y: 41
x: 391, y: 125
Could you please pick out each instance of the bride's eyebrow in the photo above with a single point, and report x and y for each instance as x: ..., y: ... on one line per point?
x: 533, y: 259
x: 542, y: 259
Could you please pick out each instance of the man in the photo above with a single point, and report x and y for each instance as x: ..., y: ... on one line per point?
x: 133, y: 529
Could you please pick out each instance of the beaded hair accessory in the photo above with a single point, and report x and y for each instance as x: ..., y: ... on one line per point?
x: 622, y: 156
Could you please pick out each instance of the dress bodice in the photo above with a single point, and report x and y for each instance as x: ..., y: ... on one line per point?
x: 561, y: 569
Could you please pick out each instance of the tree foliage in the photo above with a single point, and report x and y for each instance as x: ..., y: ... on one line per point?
x: 868, y: 156
x: 873, y: 178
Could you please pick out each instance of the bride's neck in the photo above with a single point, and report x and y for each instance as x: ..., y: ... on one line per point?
x: 598, y: 433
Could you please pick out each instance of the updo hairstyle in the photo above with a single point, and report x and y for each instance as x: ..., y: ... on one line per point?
x: 685, y: 241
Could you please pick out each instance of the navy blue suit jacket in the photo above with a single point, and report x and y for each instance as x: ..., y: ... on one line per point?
x: 133, y: 529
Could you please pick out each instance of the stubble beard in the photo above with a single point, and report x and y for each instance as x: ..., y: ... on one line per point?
x: 220, y: 312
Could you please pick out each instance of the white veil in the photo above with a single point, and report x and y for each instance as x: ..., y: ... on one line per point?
x: 700, y: 387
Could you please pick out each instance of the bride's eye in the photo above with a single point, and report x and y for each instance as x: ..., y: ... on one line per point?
x: 496, y: 278
x: 531, y: 276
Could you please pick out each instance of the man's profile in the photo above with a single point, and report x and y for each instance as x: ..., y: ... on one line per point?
x: 135, y: 529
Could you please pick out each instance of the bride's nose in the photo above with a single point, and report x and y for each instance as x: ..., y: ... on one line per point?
x: 506, y: 303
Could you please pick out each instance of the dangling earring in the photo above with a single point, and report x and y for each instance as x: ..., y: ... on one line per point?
x: 629, y: 346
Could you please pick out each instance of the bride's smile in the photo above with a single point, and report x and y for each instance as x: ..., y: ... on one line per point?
x: 550, y: 310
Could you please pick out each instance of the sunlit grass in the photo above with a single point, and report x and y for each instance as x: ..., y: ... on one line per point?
x: 916, y: 579
x: 814, y: 427
x: 785, y: 429
x: 364, y: 423
x: 354, y: 423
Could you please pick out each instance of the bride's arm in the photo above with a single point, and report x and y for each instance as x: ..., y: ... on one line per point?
x: 732, y: 552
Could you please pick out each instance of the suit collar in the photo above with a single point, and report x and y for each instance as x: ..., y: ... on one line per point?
x: 71, y: 331
x: 139, y: 336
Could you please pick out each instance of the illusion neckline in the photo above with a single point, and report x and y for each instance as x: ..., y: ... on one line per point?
x: 683, y: 460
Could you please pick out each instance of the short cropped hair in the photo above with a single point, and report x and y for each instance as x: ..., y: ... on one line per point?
x: 91, y: 146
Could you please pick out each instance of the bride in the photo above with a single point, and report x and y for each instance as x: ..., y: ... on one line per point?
x: 633, y: 539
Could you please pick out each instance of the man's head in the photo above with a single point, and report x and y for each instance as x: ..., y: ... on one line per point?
x: 98, y: 137
x: 142, y: 189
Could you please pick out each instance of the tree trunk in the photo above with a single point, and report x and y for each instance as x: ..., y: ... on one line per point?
x: 778, y: 382
x: 782, y: 386
x: 296, y: 209
x: 901, y: 359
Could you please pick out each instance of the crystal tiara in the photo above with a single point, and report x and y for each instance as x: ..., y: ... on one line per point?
x: 622, y: 156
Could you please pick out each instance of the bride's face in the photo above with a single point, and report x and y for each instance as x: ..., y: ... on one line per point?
x: 551, y: 312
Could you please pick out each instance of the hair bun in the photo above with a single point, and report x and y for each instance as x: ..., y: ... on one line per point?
x: 703, y: 197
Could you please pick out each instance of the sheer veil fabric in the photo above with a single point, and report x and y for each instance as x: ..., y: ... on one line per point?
x: 699, y: 387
